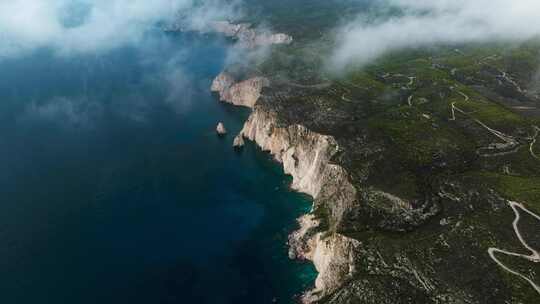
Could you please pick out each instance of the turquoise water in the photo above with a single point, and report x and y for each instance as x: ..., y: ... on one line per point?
x: 115, y: 189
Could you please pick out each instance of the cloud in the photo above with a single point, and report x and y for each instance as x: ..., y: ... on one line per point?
x: 427, y: 22
x: 182, y: 88
x: 75, y: 26
x: 78, y: 112
x: 204, y: 12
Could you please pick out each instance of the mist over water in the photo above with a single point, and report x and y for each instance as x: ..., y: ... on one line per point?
x: 115, y: 188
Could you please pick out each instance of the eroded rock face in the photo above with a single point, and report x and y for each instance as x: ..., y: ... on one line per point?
x: 306, y: 156
x: 332, y: 255
x: 334, y: 259
x: 244, y: 93
x: 222, y: 83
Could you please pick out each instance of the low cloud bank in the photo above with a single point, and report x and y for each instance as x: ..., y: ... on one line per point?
x: 77, y: 26
x: 426, y: 22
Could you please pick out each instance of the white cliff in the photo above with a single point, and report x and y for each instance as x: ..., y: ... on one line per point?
x: 222, y: 83
x: 306, y: 156
x: 244, y: 93
x: 229, y: 29
x: 247, y: 36
x: 243, y: 33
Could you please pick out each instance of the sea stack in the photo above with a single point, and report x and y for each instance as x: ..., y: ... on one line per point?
x: 220, y: 129
x: 238, y: 142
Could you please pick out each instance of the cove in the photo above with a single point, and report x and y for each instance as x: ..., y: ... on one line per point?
x: 115, y: 189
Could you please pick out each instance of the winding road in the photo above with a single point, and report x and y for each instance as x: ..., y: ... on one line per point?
x: 454, y: 108
x: 345, y: 98
x: 508, y: 79
x: 509, y: 140
x: 534, y: 138
x: 411, y: 81
x: 409, y: 100
x: 465, y: 96
x: 534, y: 255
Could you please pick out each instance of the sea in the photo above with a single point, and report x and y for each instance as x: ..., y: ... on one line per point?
x: 115, y: 188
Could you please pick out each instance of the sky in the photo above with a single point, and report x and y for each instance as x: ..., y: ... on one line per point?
x: 427, y: 22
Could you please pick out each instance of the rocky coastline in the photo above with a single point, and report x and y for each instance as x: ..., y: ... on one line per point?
x: 392, y: 221
x: 306, y: 156
x: 244, y: 35
x: 244, y: 93
x: 361, y: 269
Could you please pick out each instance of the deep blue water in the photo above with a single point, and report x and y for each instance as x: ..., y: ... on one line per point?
x: 115, y: 189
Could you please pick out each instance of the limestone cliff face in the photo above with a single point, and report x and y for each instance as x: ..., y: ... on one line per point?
x: 247, y: 36
x: 229, y: 29
x: 244, y: 35
x: 244, y: 93
x: 306, y: 156
x: 221, y: 85
x: 332, y: 254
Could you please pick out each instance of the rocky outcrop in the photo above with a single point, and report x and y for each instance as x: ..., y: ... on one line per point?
x: 247, y: 36
x: 220, y: 129
x: 222, y: 83
x: 244, y: 93
x: 238, y: 141
x: 306, y: 156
